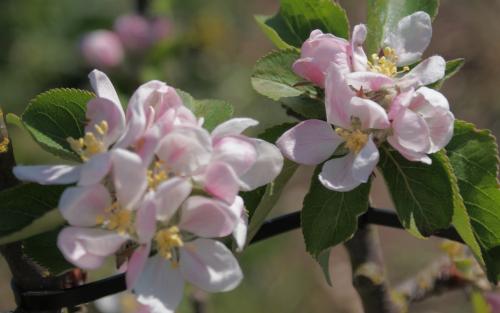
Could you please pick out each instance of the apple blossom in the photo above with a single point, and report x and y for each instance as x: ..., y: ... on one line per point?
x: 421, y: 123
x: 357, y: 122
x: 102, y: 49
x: 134, y: 31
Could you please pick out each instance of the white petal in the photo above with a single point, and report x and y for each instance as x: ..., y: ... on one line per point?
x: 209, y: 265
x: 411, y: 38
x: 236, y: 151
x: 80, y: 206
x: 265, y: 169
x: 160, y: 286
x: 103, y: 87
x: 129, y: 177
x: 48, y: 174
x: 310, y: 142
x: 234, y: 126
x: 241, y: 229
x: 336, y: 174
x: 170, y: 195
x: 145, y: 221
x: 426, y: 72
x: 365, y: 161
x: 338, y: 95
x: 359, y: 59
x: 94, y: 170
x: 370, y: 113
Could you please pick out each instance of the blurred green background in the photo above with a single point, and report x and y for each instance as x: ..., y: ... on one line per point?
x: 210, y: 52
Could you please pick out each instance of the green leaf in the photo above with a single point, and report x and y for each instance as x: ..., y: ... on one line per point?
x: 384, y: 15
x: 423, y: 194
x: 13, y: 119
x: 296, y: 19
x: 452, y: 67
x: 274, y: 78
x: 27, y: 210
x: 214, y: 112
x: 263, y: 199
x: 330, y: 217
x: 479, y: 303
x: 474, y: 156
x: 55, y: 115
x: 43, y: 250
x: 323, y: 260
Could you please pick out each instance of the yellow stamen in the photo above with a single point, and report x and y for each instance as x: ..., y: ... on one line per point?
x: 116, y: 218
x: 167, y: 240
x: 386, y: 64
x: 4, y: 145
x: 89, y: 144
x: 157, y: 175
x: 354, y: 140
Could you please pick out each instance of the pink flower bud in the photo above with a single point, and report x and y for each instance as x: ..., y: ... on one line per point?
x: 161, y: 28
x: 134, y: 31
x: 102, y: 49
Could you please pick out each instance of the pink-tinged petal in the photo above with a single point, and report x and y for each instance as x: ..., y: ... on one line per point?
x: 169, y: 99
x: 411, y: 37
x: 129, y: 177
x: 221, y: 181
x: 338, y: 95
x: 370, y: 113
x: 265, y: 169
x: 368, y: 81
x: 146, y: 146
x: 365, y: 161
x: 400, y: 102
x: 184, y: 116
x: 441, y: 126
x: 88, y: 247
x: 411, y: 132
x: 101, y: 110
x: 237, y: 151
x: 426, y: 72
x: 337, y: 175
x: 310, y: 142
x: 409, y: 154
x: 306, y: 68
x: 103, y: 87
x: 207, y: 217
x: 48, y: 174
x: 426, y: 100
x: 80, y: 206
x: 209, y: 265
x: 160, y: 286
x: 241, y: 229
x: 145, y: 221
x: 186, y: 149
x: 169, y: 196
x: 234, y: 126
x: 359, y: 59
x: 493, y: 299
x: 136, y: 264
x: 95, y: 169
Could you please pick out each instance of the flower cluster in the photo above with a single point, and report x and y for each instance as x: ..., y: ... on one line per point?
x: 370, y: 101
x: 153, y: 181
x: 132, y: 33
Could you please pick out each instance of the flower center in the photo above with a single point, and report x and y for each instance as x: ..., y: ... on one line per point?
x: 4, y: 145
x: 90, y: 144
x: 157, y: 175
x: 354, y: 140
x: 116, y: 218
x: 167, y: 240
x: 386, y: 64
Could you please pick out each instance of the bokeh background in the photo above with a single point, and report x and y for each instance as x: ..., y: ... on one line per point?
x: 208, y: 48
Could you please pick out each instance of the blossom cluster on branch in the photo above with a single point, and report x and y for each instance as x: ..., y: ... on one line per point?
x: 154, y: 182
x: 370, y: 101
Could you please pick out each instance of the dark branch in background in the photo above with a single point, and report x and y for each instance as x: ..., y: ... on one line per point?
x: 141, y: 6
x: 368, y: 272
x: 54, y: 299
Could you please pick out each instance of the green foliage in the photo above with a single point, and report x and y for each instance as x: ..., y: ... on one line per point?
x: 479, y: 303
x: 27, y: 210
x: 330, y: 217
x: 452, y: 67
x: 43, y: 250
x: 214, y: 112
x: 55, y: 115
x: 292, y: 25
x: 474, y: 156
x: 324, y: 262
x: 423, y: 194
x: 263, y: 199
x: 274, y: 78
x: 384, y: 15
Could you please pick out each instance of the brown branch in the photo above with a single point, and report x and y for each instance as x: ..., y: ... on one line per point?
x: 369, y: 273
x: 198, y: 301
